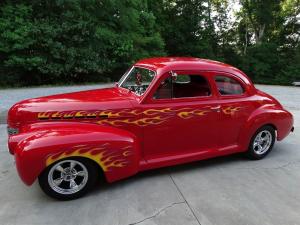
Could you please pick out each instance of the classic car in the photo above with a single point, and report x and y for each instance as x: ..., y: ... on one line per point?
x: 162, y: 112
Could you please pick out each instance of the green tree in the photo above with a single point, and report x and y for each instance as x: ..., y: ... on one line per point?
x: 268, y: 38
x: 186, y: 27
x: 74, y: 40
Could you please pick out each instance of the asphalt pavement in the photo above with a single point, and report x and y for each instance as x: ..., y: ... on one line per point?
x: 229, y: 190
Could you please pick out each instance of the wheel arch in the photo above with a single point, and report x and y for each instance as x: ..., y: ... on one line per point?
x: 270, y: 115
x: 271, y: 125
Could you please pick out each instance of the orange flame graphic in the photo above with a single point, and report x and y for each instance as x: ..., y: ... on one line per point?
x: 68, y: 115
x: 190, y: 114
x: 44, y: 115
x: 92, y: 114
x: 80, y: 114
x: 152, y: 112
x: 110, y: 114
x: 148, y: 112
x: 106, y: 159
x: 230, y: 110
x: 126, y: 116
x: 139, y: 122
x: 56, y: 115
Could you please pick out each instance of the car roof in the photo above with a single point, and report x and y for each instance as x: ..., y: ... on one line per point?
x: 165, y: 64
x: 160, y: 62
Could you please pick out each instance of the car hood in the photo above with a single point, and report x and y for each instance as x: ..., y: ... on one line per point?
x: 82, y: 104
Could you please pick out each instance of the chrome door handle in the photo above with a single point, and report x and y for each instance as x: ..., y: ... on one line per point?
x: 216, y: 108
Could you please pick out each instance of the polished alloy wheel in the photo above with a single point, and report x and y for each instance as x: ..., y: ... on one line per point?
x: 68, y: 177
x: 262, y: 142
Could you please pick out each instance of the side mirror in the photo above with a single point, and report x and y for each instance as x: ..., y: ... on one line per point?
x: 174, y: 75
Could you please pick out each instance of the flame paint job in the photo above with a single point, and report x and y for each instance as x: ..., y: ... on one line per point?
x: 107, y: 160
x: 154, y: 116
x: 78, y: 115
x: 124, y: 133
x: 231, y: 110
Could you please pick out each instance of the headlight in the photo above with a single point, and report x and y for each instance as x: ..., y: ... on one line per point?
x: 12, y: 131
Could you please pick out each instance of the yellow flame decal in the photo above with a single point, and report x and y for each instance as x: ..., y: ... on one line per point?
x: 92, y: 114
x: 106, y: 159
x: 44, y: 115
x: 146, y: 117
x: 148, y: 112
x: 110, y: 114
x: 68, y: 115
x: 151, y: 112
x: 80, y: 114
x: 56, y: 115
x: 126, y: 153
x: 190, y: 114
x: 139, y: 122
x: 230, y: 110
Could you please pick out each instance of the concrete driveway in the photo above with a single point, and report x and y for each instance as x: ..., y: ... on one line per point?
x: 226, y: 191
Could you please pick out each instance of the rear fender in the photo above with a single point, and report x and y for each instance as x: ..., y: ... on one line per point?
x: 116, y: 151
x: 271, y: 114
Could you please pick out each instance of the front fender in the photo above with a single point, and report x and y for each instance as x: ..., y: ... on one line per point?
x: 273, y: 115
x: 39, y: 145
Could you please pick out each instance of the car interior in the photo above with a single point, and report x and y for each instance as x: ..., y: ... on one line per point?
x: 183, y: 86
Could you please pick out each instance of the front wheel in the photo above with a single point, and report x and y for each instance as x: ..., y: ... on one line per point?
x: 68, y: 178
x: 261, y: 143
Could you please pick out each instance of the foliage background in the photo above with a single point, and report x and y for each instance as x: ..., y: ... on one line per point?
x: 79, y: 41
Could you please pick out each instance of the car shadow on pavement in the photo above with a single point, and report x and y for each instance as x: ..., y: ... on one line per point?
x: 234, y: 161
x: 218, y: 162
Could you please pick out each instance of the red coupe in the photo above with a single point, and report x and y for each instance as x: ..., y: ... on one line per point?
x: 163, y: 111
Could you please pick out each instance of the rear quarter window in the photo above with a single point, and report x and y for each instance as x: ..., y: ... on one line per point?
x: 228, y: 86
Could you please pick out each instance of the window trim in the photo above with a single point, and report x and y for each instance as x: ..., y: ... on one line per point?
x: 231, y: 76
x: 124, y: 77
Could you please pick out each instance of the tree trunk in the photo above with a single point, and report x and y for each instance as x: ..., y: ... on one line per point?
x: 259, y: 34
x: 246, y: 39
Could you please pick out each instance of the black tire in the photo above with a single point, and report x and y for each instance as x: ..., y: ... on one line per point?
x: 48, y: 185
x: 254, y: 149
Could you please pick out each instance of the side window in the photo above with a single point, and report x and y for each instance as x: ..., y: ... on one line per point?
x: 182, y: 79
x: 228, y: 86
x: 183, y: 86
x: 164, y: 90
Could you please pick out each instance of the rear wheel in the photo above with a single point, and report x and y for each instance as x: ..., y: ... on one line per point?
x: 68, y: 178
x: 261, y: 143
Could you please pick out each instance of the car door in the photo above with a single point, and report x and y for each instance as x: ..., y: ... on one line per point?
x: 236, y: 107
x: 185, y: 115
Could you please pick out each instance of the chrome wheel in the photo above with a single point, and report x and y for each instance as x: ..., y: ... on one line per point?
x: 262, y: 142
x: 68, y: 177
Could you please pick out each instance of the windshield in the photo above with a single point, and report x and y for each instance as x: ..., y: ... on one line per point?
x: 137, y: 80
